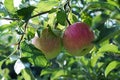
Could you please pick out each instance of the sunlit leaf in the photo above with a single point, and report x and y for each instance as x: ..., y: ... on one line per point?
x: 115, y: 14
x: 51, y: 20
x: 109, y: 48
x: 113, y: 2
x: 40, y: 61
x: 33, y: 55
x: 112, y: 65
x: 57, y: 74
x: 102, y: 5
x: 95, y: 58
x: 18, y: 66
x: 72, y: 17
x: 46, y: 71
x: 27, y: 74
x: 86, y: 18
x: 8, y: 26
x: 9, y: 5
x: 46, y: 5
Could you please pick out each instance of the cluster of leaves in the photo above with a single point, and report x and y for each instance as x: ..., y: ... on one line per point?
x: 21, y: 60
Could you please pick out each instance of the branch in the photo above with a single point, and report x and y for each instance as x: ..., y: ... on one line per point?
x: 25, y: 27
x: 39, y: 14
x: 10, y: 19
x: 65, y: 6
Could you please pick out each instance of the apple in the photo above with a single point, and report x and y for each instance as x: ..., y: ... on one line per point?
x: 48, y: 43
x: 77, y: 39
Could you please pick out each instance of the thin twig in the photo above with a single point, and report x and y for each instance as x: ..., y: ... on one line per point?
x: 10, y: 19
x: 25, y: 27
x: 67, y: 4
x: 39, y: 14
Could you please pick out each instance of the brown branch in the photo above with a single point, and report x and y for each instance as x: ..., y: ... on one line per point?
x: 25, y: 27
x: 39, y: 14
x: 10, y: 19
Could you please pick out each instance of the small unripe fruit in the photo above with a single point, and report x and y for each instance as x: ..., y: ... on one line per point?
x: 77, y: 39
x: 48, y: 43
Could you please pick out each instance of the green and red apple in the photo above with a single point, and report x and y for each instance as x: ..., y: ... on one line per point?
x: 48, y: 43
x: 77, y: 39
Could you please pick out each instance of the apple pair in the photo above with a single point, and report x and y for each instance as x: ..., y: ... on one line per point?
x: 77, y: 40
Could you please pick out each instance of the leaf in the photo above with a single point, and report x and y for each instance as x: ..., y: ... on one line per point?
x: 95, y: 58
x: 72, y: 17
x: 46, y: 71
x: 46, y: 5
x: 9, y: 5
x: 25, y: 13
x: 56, y: 74
x: 107, y: 33
x: 29, y: 50
x: 86, y: 18
x: 113, y: 2
x: 40, y: 61
x: 100, y: 19
x: 115, y: 14
x: 61, y: 17
x: 8, y: 26
x: 27, y: 74
x: 112, y: 65
x: 30, y: 33
x: 18, y: 66
x: 33, y: 55
x: 109, y: 48
x: 101, y: 5
x: 51, y: 20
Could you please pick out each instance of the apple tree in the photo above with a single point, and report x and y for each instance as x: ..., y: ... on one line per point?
x: 59, y: 39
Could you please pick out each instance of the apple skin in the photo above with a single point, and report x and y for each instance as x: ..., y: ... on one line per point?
x: 77, y: 39
x: 48, y: 43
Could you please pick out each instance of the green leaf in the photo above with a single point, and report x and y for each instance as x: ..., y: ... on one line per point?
x: 29, y: 50
x: 30, y: 33
x: 27, y: 74
x: 72, y: 17
x: 46, y: 71
x: 40, y: 61
x: 51, y: 20
x: 33, y: 55
x: 86, y: 18
x: 8, y: 26
x: 100, y: 19
x: 101, y: 5
x: 112, y: 65
x: 95, y: 58
x: 115, y: 14
x: 109, y: 48
x: 46, y: 5
x: 9, y: 6
x: 56, y: 74
x: 25, y: 13
x: 107, y: 33
x: 61, y: 17
x: 113, y: 2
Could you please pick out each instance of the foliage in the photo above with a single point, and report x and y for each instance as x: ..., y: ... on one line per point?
x: 20, y: 60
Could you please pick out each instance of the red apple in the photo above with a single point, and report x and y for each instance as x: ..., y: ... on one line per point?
x: 48, y: 43
x: 77, y: 39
